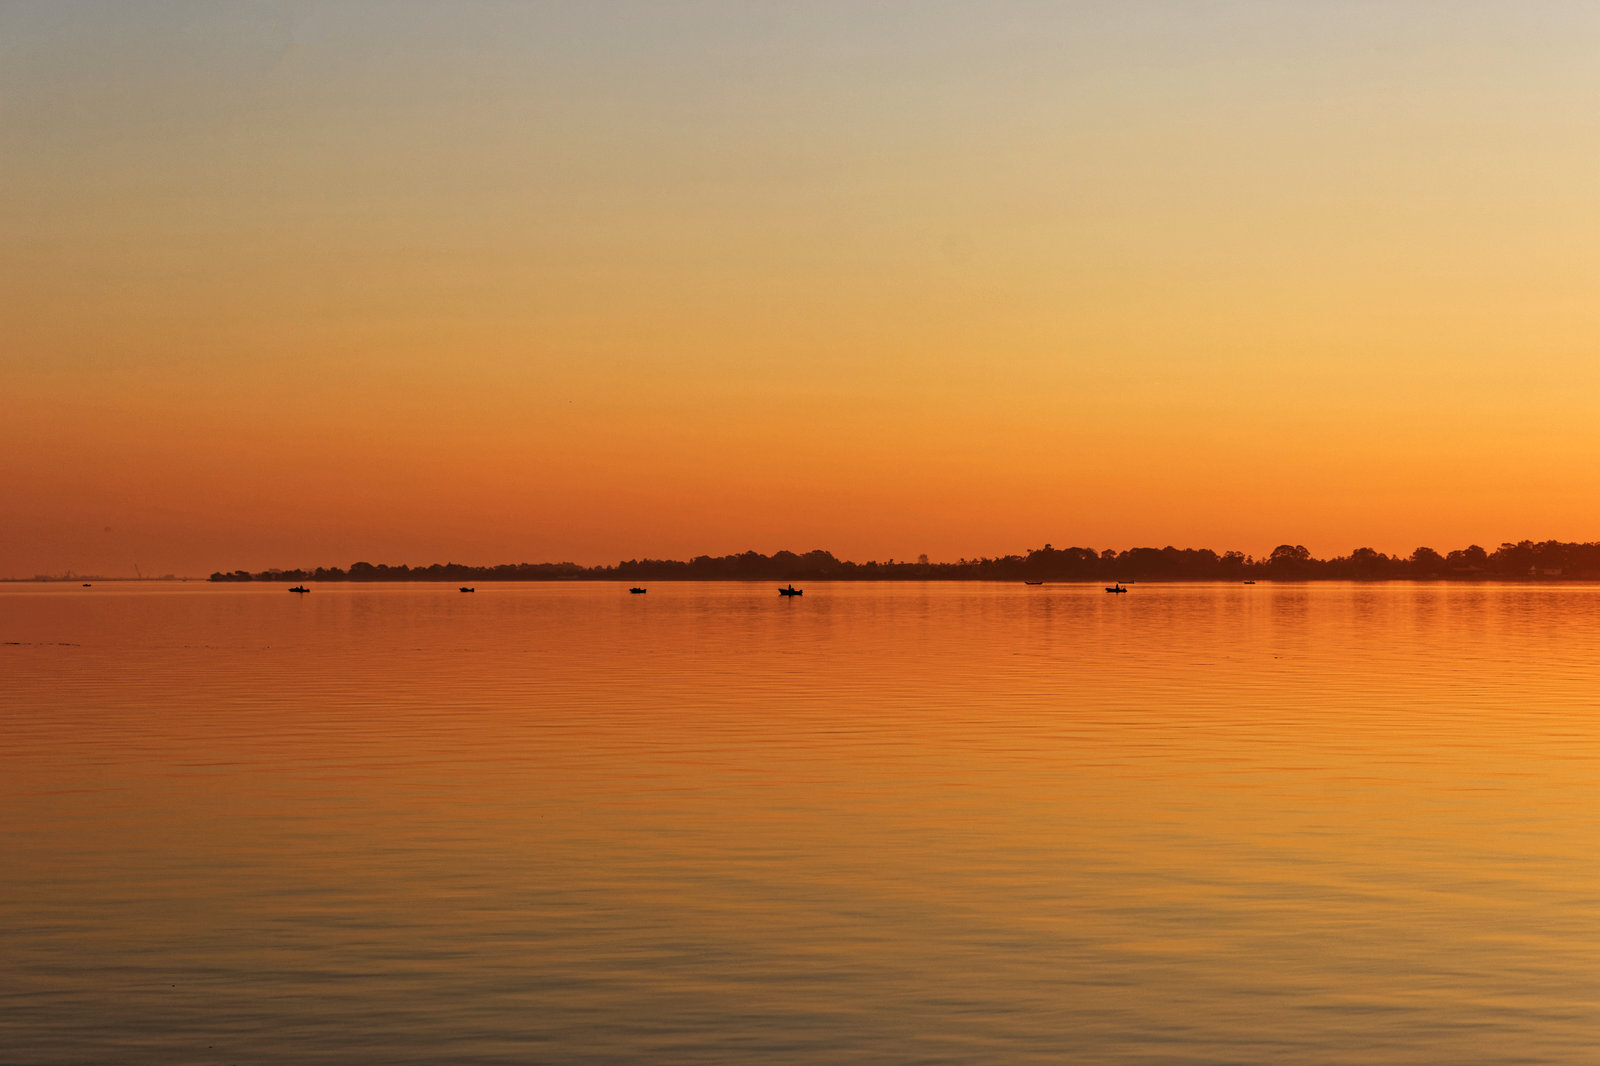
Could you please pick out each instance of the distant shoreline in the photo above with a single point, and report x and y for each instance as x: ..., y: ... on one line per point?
x: 1522, y: 561
x: 91, y: 579
x: 1437, y: 579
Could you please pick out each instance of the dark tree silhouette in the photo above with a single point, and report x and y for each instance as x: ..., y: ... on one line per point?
x: 1520, y: 561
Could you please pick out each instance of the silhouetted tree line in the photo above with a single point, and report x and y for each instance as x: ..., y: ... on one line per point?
x: 1525, y: 560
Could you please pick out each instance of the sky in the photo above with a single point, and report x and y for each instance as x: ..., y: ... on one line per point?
x: 304, y: 283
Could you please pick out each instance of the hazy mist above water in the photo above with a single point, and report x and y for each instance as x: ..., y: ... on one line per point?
x: 879, y: 823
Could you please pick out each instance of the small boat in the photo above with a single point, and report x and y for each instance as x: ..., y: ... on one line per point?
x: 299, y: 588
x: 636, y: 589
x: 468, y: 588
x: 87, y: 585
x: 1116, y: 588
x: 1249, y: 582
x: 791, y: 591
x: 1033, y: 582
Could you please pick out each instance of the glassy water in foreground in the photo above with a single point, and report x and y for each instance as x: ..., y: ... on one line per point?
x: 882, y: 823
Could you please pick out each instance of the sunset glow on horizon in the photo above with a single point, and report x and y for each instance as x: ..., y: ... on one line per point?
x: 297, y: 284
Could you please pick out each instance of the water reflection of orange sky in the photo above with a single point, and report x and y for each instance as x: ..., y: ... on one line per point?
x: 1375, y: 801
x: 298, y: 287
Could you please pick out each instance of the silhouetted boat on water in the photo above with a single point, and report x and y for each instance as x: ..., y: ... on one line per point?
x: 1116, y: 588
x: 299, y: 588
x: 1249, y: 582
x: 468, y: 588
x: 791, y: 591
x: 1033, y: 582
x: 637, y: 589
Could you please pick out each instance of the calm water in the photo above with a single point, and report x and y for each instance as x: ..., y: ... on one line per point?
x: 943, y: 823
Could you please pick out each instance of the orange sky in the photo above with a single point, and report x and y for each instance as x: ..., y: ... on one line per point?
x: 297, y: 284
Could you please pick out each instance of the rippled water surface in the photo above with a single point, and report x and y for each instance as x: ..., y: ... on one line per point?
x: 881, y: 823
